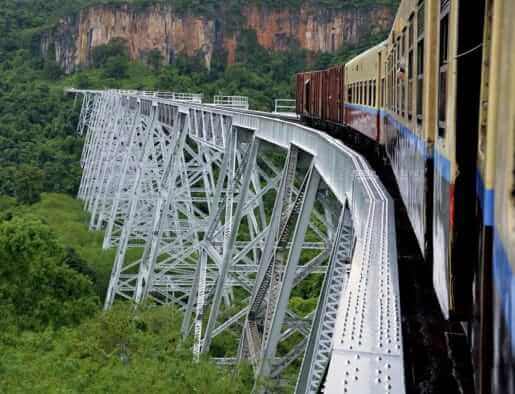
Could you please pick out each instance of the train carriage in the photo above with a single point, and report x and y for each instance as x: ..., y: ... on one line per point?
x: 495, y: 300
x: 321, y: 95
x: 407, y: 114
x: 362, y: 81
x: 439, y: 96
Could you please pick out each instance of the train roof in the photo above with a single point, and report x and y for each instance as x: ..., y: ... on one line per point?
x: 368, y: 52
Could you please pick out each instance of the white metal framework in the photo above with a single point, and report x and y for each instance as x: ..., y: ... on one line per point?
x: 225, y: 214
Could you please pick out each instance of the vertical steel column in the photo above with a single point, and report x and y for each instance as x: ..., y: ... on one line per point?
x: 120, y: 180
x: 228, y: 249
x: 161, y: 210
x: 127, y: 227
x: 318, y: 351
x: 272, y: 339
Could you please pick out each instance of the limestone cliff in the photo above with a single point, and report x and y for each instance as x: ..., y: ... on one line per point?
x: 159, y: 27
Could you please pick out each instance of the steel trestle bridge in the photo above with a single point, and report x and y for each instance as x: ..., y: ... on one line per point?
x: 224, y: 213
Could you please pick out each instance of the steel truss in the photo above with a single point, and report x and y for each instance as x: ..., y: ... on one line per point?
x: 225, y: 214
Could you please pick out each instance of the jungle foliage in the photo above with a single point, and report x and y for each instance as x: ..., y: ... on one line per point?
x: 53, y: 271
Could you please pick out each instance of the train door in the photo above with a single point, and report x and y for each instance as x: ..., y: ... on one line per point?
x: 443, y: 188
x: 468, y: 88
x: 482, y: 324
x: 469, y: 71
x: 459, y: 81
x: 307, y: 95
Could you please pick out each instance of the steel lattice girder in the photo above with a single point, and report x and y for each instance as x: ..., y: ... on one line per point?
x: 185, y: 193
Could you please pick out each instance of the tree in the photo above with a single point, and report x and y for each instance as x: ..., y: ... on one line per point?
x: 155, y: 60
x: 102, y: 53
x: 28, y: 184
x: 37, y: 288
x: 116, y: 67
x: 52, y: 70
x: 82, y: 81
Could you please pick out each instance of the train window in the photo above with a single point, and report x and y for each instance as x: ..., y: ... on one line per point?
x: 374, y: 93
x: 392, y: 90
x: 381, y: 93
x: 420, y: 19
x: 442, y: 75
x: 403, y: 42
x: 410, y: 66
x: 403, y: 98
x: 411, y: 31
x: 420, y: 64
x: 349, y: 94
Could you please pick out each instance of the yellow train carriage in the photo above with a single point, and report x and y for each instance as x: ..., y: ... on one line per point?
x: 363, y: 84
x: 495, y: 283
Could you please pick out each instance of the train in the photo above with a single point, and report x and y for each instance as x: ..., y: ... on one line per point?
x: 437, y: 97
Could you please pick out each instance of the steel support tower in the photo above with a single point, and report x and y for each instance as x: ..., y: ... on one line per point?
x: 224, y: 213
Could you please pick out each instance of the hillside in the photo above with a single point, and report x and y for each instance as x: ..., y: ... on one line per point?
x: 163, y: 30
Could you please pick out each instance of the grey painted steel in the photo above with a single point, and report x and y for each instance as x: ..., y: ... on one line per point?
x: 173, y: 182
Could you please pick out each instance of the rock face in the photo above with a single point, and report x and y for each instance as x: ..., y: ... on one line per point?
x: 159, y: 27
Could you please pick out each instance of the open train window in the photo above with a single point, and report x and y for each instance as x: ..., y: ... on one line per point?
x: 403, y: 42
x: 374, y: 93
x: 381, y: 99
x: 390, y: 82
x: 411, y: 40
x: 420, y: 64
x: 442, y: 73
x: 370, y: 97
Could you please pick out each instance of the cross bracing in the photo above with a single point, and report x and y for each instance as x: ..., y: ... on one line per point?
x: 225, y: 213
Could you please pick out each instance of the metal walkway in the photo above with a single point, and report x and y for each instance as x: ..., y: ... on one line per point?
x: 225, y: 213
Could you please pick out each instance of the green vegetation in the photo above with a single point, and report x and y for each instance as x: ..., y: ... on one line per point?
x: 53, y: 336
x: 122, y: 351
x: 38, y: 289
x: 53, y: 271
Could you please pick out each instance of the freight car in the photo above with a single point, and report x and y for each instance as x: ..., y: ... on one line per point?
x: 438, y: 97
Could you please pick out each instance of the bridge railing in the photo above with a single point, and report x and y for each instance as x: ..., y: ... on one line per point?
x: 284, y: 106
x: 240, y: 102
x: 177, y: 179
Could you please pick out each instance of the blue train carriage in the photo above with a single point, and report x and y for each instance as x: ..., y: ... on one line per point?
x: 408, y: 113
x: 495, y: 282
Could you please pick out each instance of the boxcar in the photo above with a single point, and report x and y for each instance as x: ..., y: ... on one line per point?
x: 320, y: 95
